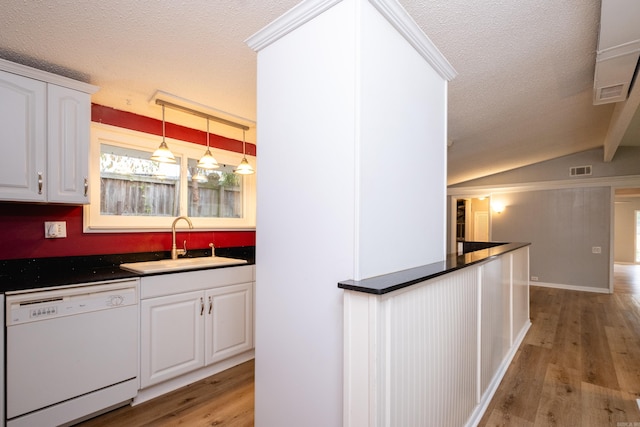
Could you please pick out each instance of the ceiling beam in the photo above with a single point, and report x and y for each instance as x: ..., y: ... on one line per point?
x: 620, y: 120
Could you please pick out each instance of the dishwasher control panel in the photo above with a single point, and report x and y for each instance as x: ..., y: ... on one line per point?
x: 35, y: 306
x: 50, y: 311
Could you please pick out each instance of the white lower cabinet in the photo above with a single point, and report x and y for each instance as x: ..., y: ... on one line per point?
x: 172, y: 337
x: 229, y: 325
x: 185, y: 331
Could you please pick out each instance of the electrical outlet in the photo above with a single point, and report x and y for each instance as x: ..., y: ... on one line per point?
x: 596, y: 250
x: 534, y: 278
x: 55, y: 229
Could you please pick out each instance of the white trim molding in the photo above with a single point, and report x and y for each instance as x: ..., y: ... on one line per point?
x: 391, y: 10
x: 613, y: 181
x: 409, y: 29
x: 572, y: 287
x: 34, y: 73
x: 294, y: 18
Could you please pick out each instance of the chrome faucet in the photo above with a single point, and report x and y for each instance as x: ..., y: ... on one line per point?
x: 174, y: 250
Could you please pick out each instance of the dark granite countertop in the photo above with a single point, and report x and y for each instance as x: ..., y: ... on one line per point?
x: 35, y: 273
x: 391, y: 282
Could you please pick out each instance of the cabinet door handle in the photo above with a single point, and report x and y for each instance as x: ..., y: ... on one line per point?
x: 210, y: 304
x: 86, y: 187
x: 201, y: 306
x: 40, y: 182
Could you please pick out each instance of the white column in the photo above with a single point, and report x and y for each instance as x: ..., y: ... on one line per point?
x: 351, y: 184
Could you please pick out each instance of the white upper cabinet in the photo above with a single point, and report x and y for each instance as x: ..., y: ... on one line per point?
x: 22, y: 138
x: 68, y: 148
x: 44, y: 136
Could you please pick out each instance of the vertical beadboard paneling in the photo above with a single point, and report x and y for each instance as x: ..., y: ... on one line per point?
x: 429, y: 352
x: 491, y: 319
x: 434, y: 353
x: 495, y: 317
x: 520, y: 260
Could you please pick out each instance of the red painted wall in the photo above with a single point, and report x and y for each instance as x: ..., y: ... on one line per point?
x: 23, y: 223
x: 123, y: 119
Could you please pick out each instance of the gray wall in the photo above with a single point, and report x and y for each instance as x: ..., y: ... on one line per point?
x: 626, y: 163
x: 563, y: 217
x: 625, y: 207
x: 562, y: 225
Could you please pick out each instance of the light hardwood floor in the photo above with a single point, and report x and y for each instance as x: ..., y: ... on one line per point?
x: 224, y: 399
x: 579, y: 366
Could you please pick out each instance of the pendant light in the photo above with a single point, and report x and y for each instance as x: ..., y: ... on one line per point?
x: 207, y: 161
x: 163, y: 154
x: 244, y: 168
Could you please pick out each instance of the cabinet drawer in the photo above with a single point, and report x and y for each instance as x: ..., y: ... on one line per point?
x: 173, y: 283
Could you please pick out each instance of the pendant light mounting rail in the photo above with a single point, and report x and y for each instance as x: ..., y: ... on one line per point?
x: 201, y: 114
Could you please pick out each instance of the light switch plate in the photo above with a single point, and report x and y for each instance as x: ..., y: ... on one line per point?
x: 55, y: 229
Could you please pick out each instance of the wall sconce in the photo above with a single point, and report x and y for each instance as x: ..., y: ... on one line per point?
x: 163, y: 154
x: 498, y: 207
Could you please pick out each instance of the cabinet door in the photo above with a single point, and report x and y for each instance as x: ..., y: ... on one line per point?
x: 68, y: 145
x: 171, y: 336
x: 229, y: 324
x: 22, y: 138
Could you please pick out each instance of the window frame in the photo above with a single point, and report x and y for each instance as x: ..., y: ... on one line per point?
x: 95, y: 222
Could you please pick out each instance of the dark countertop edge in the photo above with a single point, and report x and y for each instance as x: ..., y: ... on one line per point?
x: 386, y: 283
x: 36, y: 273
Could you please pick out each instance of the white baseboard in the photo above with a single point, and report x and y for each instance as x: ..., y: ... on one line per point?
x: 479, y: 411
x: 191, y: 377
x: 571, y: 287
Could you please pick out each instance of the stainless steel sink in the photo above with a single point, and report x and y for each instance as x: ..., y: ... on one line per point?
x: 168, y: 265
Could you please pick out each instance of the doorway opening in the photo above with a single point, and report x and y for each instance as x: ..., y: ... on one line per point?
x: 472, y: 219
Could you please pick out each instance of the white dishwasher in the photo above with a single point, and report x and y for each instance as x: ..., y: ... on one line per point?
x: 71, y: 352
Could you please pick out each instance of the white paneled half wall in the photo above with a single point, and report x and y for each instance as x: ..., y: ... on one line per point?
x: 433, y: 354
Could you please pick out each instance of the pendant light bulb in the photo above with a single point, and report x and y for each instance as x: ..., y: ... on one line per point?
x: 163, y: 154
x: 207, y: 161
x: 244, y: 168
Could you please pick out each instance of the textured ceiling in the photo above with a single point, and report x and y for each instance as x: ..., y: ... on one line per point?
x: 523, y: 93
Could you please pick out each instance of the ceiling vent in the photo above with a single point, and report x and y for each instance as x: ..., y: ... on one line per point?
x: 580, y: 170
x: 617, y: 91
x: 618, y: 50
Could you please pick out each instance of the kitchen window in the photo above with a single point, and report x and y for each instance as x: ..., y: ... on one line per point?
x: 215, y: 193
x: 131, y: 184
x: 130, y: 192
